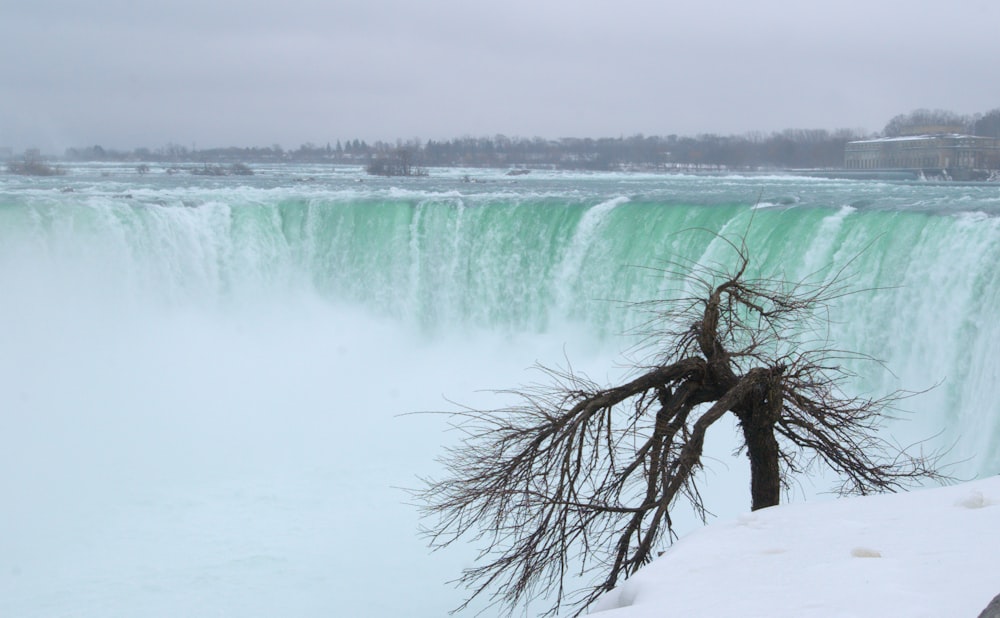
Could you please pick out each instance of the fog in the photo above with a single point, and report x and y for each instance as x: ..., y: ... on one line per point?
x: 185, y: 460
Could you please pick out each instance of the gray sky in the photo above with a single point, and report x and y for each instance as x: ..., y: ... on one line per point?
x: 128, y: 73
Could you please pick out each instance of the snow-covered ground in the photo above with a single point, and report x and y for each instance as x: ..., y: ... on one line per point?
x: 931, y: 553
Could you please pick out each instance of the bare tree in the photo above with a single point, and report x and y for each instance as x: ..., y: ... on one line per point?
x: 396, y: 163
x: 580, y: 480
x: 926, y: 121
x: 988, y: 125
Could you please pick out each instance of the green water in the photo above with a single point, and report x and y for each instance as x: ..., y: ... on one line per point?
x: 445, y: 256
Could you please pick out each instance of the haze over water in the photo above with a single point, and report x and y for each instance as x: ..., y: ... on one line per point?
x: 204, y: 381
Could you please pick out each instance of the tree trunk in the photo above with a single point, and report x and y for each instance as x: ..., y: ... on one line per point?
x: 762, y: 446
x: 765, y: 476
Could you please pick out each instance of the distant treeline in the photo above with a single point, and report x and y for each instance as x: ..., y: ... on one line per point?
x: 789, y: 149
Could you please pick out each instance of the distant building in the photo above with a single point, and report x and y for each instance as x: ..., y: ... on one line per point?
x: 6, y: 153
x: 954, y: 155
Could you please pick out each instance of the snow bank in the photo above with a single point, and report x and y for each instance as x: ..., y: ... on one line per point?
x: 929, y: 553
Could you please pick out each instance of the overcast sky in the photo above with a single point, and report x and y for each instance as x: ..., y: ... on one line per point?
x: 129, y: 73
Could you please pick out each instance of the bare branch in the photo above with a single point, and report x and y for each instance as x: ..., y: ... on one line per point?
x: 578, y: 479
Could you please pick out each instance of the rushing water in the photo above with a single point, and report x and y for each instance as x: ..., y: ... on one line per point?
x: 201, y: 379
